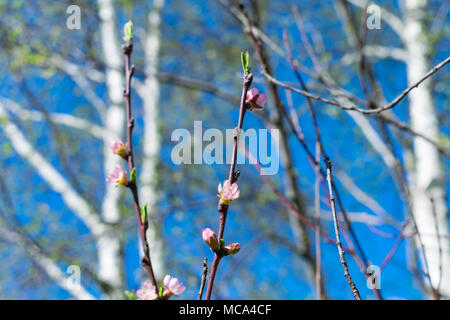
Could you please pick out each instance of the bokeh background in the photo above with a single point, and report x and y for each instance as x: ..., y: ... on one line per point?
x: 61, y: 103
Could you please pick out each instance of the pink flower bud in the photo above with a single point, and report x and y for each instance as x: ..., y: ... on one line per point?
x: 255, y: 99
x: 146, y: 292
x: 211, y: 239
x: 172, y: 286
x: 117, y: 176
x: 232, y: 248
x: 118, y: 148
x: 228, y: 192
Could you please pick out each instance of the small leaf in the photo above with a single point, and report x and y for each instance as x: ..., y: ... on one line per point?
x: 144, y: 213
x: 133, y: 174
x: 161, y: 290
x: 130, y: 295
x: 128, y: 31
x: 245, y: 61
x: 222, y: 243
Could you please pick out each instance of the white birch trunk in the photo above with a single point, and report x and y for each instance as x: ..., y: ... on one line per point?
x: 109, y: 246
x: 152, y: 140
x: 428, y: 180
x: 59, y: 185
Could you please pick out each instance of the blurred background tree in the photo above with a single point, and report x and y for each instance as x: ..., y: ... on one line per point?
x: 61, y: 103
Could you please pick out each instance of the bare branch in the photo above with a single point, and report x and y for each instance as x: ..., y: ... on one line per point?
x: 390, y: 105
x: 203, y: 281
x: 232, y: 178
x: 338, y: 237
x: 133, y: 186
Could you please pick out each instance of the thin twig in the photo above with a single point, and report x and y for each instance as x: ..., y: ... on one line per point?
x: 338, y: 237
x: 322, y: 150
x: 391, y: 252
x: 289, y: 205
x: 317, y: 223
x: 203, y: 281
x: 388, y: 106
x: 279, y: 111
x: 143, y: 225
x: 232, y: 177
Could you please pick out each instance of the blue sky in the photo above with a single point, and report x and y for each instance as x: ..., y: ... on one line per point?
x: 264, y: 262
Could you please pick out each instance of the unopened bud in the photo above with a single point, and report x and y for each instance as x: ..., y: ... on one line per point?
x: 232, y: 248
x: 211, y: 239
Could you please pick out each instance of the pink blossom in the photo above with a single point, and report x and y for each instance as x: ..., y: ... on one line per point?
x: 228, y: 192
x: 232, y: 248
x: 146, y: 292
x: 118, y: 147
x: 172, y: 286
x: 211, y: 239
x: 117, y: 176
x: 256, y: 99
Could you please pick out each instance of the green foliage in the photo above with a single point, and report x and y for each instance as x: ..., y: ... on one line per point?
x: 128, y: 31
x: 245, y: 61
x: 143, y: 213
x: 28, y: 55
x: 133, y: 174
x: 130, y: 295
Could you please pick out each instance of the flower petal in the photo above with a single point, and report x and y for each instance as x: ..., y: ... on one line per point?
x: 167, y: 280
x: 180, y: 290
x: 262, y: 99
x: 251, y: 94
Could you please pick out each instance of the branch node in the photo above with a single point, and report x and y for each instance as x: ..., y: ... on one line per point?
x: 127, y: 48
x: 131, y: 123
